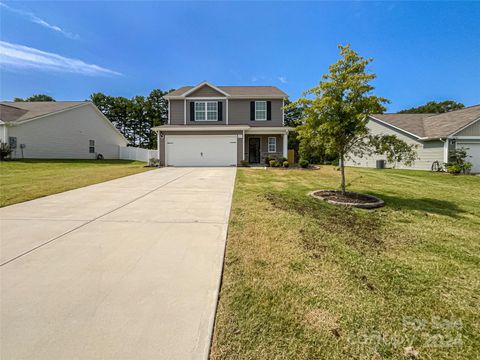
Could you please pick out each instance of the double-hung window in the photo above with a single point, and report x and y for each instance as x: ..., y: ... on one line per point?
x: 206, y: 111
x: 272, y: 144
x: 260, y: 110
x: 91, y: 146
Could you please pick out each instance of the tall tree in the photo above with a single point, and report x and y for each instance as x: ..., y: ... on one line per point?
x: 293, y: 115
x: 135, y: 117
x: 434, y: 107
x: 36, y: 97
x: 336, y: 111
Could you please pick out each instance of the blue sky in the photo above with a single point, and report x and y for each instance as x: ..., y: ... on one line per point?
x: 423, y: 50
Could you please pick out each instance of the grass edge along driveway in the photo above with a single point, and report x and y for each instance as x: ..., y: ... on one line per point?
x: 307, y: 280
x: 23, y: 180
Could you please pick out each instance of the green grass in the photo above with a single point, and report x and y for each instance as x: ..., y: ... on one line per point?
x: 23, y: 180
x: 307, y: 280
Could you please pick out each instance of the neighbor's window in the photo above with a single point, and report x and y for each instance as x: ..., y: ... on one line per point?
x: 260, y: 110
x: 206, y: 111
x: 272, y: 144
x: 91, y: 146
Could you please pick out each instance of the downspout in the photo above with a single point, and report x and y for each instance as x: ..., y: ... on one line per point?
x: 445, y: 149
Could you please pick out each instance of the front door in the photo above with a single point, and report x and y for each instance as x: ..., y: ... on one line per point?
x: 254, y: 150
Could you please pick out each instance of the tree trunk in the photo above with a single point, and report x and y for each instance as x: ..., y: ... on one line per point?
x: 342, y: 170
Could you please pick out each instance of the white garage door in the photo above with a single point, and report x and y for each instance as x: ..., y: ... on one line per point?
x: 201, y: 150
x: 473, y: 150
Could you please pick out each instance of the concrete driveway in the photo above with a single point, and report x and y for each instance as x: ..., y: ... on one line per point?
x: 126, y: 269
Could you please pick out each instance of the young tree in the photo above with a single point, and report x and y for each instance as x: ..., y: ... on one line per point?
x: 337, y: 111
x: 396, y: 150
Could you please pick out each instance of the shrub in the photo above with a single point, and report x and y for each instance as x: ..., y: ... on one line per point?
x: 267, y: 160
x: 283, y: 159
x: 154, y: 162
x: 285, y: 164
x: 5, y: 151
x: 303, y: 163
x: 272, y: 163
x: 458, y: 163
x: 244, y: 163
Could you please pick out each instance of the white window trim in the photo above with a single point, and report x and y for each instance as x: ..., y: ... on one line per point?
x: 91, y: 146
x: 268, y: 144
x: 256, y: 102
x: 206, y: 111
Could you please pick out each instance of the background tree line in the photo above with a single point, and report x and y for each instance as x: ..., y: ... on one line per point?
x: 136, y: 116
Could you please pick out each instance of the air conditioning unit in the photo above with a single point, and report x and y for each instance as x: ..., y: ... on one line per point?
x: 380, y: 164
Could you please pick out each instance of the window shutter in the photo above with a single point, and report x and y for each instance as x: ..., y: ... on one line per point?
x: 192, y: 111
x: 220, y: 111
x: 252, y: 110
x: 269, y: 110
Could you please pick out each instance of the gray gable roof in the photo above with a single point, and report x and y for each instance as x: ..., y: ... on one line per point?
x: 431, y: 126
x: 243, y: 91
x: 13, y: 112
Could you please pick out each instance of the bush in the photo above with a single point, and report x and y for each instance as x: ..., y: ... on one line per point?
x: 283, y: 159
x: 5, y: 151
x: 458, y: 163
x: 272, y: 163
x: 303, y: 163
x: 267, y: 160
x: 244, y: 163
x: 285, y: 164
x: 154, y: 162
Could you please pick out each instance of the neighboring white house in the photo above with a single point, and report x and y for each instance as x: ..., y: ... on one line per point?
x: 434, y: 134
x: 58, y: 130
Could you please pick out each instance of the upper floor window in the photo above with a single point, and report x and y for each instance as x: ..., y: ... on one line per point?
x: 260, y: 110
x: 206, y: 111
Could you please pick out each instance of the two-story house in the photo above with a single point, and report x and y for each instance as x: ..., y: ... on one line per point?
x: 222, y: 125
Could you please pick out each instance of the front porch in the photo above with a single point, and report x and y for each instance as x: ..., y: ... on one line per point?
x: 258, y: 145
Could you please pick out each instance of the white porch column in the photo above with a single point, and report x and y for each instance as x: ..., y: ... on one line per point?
x: 158, y: 145
x: 243, y: 146
x: 285, y: 145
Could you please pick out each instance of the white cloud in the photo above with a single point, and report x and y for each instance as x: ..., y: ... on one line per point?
x: 19, y: 56
x: 282, y: 79
x: 35, y: 19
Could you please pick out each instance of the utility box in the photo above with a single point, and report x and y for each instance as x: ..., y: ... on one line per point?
x: 380, y: 164
x: 291, y: 156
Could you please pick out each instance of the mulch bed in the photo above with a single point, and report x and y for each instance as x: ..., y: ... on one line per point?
x: 348, y: 199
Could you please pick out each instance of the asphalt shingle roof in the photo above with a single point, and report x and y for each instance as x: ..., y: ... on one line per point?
x: 12, y: 112
x: 238, y: 90
x: 432, y: 126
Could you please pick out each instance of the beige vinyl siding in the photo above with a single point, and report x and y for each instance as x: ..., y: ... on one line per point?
x: 472, y: 130
x: 239, y: 141
x: 427, y: 151
x: 66, y: 135
x: 239, y: 113
x: 176, y: 112
x: 206, y: 91
x: 224, y: 114
x: 238, y: 109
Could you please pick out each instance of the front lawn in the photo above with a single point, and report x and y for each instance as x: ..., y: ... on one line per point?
x: 307, y: 280
x: 23, y: 180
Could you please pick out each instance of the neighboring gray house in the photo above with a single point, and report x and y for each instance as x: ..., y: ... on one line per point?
x: 222, y: 125
x: 434, y: 134
x: 58, y: 130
